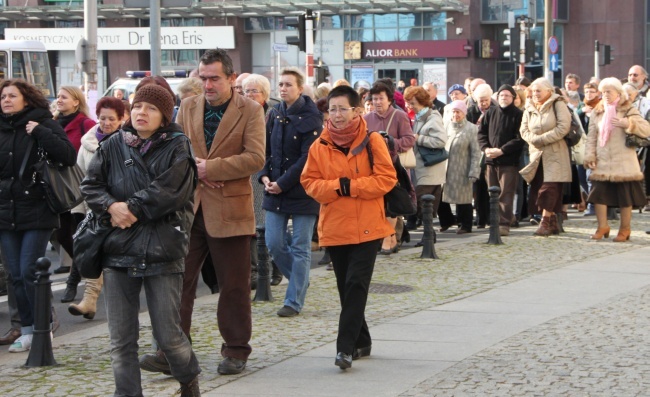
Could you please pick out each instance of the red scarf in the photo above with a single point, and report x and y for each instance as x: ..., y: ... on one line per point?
x: 345, y: 136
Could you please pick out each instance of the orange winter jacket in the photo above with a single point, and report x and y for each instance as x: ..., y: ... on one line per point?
x: 360, y: 217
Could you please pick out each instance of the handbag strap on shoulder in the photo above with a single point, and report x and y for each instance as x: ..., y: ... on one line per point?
x: 24, y: 163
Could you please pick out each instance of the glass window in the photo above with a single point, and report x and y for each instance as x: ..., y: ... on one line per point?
x: 68, y: 24
x: 439, y: 33
x: 386, y: 35
x: 363, y: 35
x: 491, y: 10
x: 434, y: 18
x: 259, y: 24
x: 358, y: 21
x: 408, y: 20
x: 386, y: 20
x: 18, y: 66
x: 331, y: 22
x: 410, y: 34
x: 4, y: 68
x: 180, y: 57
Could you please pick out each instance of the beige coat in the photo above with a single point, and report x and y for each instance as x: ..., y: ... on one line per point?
x: 237, y: 152
x: 615, y: 162
x: 545, y: 136
x: 432, y: 134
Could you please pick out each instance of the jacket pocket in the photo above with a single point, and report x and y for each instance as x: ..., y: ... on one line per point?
x: 237, y: 201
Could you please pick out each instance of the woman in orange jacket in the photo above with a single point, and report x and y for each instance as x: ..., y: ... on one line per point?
x: 352, y: 222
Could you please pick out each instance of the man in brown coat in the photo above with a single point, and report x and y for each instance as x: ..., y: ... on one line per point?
x: 228, y: 138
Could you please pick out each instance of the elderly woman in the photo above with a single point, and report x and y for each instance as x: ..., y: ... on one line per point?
x: 150, y: 208
x: 396, y: 123
x: 26, y: 221
x: 546, y: 122
x: 190, y: 86
x: 463, y: 168
x: 258, y: 88
x: 429, y: 133
x: 340, y: 175
x: 110, y: 114
x: 616, y: 176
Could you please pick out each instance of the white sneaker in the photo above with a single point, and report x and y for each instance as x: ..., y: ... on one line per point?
x: 21, y: 344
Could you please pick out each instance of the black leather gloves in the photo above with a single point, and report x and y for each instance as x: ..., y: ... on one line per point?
x: 344, y: 189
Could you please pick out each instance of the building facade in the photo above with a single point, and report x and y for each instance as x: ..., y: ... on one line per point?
x: 443, y: 41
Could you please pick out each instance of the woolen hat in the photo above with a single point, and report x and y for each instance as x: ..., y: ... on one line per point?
x: 459, y: 105
x: 159, y: 97
x: 508, y: 88
x: 457, y: 87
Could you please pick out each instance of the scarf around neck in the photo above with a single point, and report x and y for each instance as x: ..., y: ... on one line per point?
x: 344, y: 136
x: 143, y: 145
x: 607, y: 126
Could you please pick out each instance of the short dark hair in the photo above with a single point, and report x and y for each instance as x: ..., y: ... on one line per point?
x: 321, y: 104
x: 218, y: 55
x: 380, y: 87
x: 388, y: 82
x: 346, y: 91
x: 31, y: 95
x: 109, y: 102
x: 523, y: 80
x: 573, y: 76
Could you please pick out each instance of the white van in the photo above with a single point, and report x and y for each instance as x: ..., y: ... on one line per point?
x: 27, y: 60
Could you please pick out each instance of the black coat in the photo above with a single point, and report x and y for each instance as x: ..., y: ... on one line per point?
x: 159, y: 190
x: 499, y: 129
x: 289, y: 135
x: 22, y: 202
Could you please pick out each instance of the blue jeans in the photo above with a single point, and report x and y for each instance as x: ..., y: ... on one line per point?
x: 163, y: 294
x: 21, y: 249
x: 291, y: 252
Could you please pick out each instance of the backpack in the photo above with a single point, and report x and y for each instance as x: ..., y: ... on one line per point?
x: 575, y: 131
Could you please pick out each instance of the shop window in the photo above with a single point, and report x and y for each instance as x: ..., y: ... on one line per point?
x: 386, y: 35
x: 259, y: 24
x: 330, y: 22
x: 497, y: 10
x: 386, y: 20
x: 407, y: 20
x: 439, y: 33
x: 186, y: 58
x: 410, y: 34
x: 68, y: 24
x: 358, y: 21
x: 363, y: 35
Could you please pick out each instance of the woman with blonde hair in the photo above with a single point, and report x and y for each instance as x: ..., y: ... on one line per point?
x: 543, y: 127
x: 73, y: 116
x: 615, y: 172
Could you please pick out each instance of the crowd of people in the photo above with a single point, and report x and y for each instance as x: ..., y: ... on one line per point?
x: 186, y: 179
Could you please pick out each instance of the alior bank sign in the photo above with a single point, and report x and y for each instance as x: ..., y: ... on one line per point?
x: 171, y: 38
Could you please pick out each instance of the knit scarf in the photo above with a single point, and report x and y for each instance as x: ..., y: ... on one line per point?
x: 100, y: 135
x: 344, y: 136
x: 65, y: 120
x: 607, y: 126
x: 143, y: 145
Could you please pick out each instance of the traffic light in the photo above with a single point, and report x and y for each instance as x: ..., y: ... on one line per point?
x: 511, y: 44
x: 530, y: 50
x: 298, y: 23
x: 605, y: 55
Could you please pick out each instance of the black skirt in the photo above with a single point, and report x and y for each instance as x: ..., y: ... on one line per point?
x: 617, y: 194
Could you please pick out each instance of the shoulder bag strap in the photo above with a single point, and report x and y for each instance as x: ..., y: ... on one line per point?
x: 390, y: 121
x: 24, y: 163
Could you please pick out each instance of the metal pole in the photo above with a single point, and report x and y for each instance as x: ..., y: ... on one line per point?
x: 154, y: 35
x: 429, y: 237
x: 90, y: 67
x: 40, y: 354
x: 522, y: 47
x: 596, y: 59
x: 309, y: 47
x: 548, y: 32
x: 495, y: 234
x: 263, y: 291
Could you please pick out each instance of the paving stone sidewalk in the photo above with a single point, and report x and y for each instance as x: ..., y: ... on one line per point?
x: 466, y: 267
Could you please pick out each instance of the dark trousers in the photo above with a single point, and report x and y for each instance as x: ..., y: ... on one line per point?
x: 464, y: 216
x: 69, y: 223
x: 482, y: 201
x: 353, y: 267
x: 232, y: 265
x: 544, y: 195
x: 506, y: 177
x: 435, y: 190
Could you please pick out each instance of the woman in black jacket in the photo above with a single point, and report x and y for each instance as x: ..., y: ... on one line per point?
x: 26, y: 222
x: 143, y: 179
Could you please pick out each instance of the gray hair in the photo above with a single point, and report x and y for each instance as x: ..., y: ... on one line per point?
x: 482, y: 91
x: 260, y: 81
x: 190, y: 85
x: 544, y: 84
x: 613, y: 83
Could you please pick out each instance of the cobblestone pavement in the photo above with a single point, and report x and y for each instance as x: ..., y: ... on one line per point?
x: 466, y: 267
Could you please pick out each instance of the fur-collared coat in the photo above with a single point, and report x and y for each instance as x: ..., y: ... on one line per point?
x: 544, y: 130
x: 615, y: 162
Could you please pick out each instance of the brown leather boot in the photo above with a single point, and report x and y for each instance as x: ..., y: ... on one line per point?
x: 554, y: 226
x: 544, y: 228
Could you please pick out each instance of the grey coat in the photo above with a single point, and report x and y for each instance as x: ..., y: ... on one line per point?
x: 429, y: 133
x: 463, y: 163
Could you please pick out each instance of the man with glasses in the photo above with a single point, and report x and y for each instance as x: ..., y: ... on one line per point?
x: 499, y: 139
x: 238, y: 86
x: 638, y: 77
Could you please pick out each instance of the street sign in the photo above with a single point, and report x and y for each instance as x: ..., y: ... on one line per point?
x: 553, y: 45
x: 280, y: 47
x: 554, y: 63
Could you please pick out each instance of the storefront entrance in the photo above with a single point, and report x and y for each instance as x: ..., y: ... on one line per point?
x: 398, y: 72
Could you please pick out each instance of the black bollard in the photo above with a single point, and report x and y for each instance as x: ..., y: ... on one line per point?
x: 560, y: 221
x: 263, y: 291
x: 495, y: 234
x: 429, y: 236
x: 40, y: 354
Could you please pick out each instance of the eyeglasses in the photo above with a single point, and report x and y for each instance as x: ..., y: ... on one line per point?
x: 342, y: 111
x: 253, y: 91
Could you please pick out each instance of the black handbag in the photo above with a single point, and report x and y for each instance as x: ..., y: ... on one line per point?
x: 433, y: 156
x: 61, y: 183
x: 575, y: 130
x: 87, y: 244
x: 398, y: 200
x: 635, y: 141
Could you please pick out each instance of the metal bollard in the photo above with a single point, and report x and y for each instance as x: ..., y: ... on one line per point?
x: 429, y: 236
x: 263, y: 291
x: 495, y: 234
x: 40, y: 354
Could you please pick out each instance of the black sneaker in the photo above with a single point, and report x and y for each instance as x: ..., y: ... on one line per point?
x: 231, y: 366
x: 361, y: 352
x: 287, y: 311
x: 69, y: 294
x: 343, y: 361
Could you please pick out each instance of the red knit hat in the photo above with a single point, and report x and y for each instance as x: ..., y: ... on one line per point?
x: 159, y: 97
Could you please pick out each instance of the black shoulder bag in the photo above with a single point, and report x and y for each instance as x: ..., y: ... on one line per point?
x: 575, y: 131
